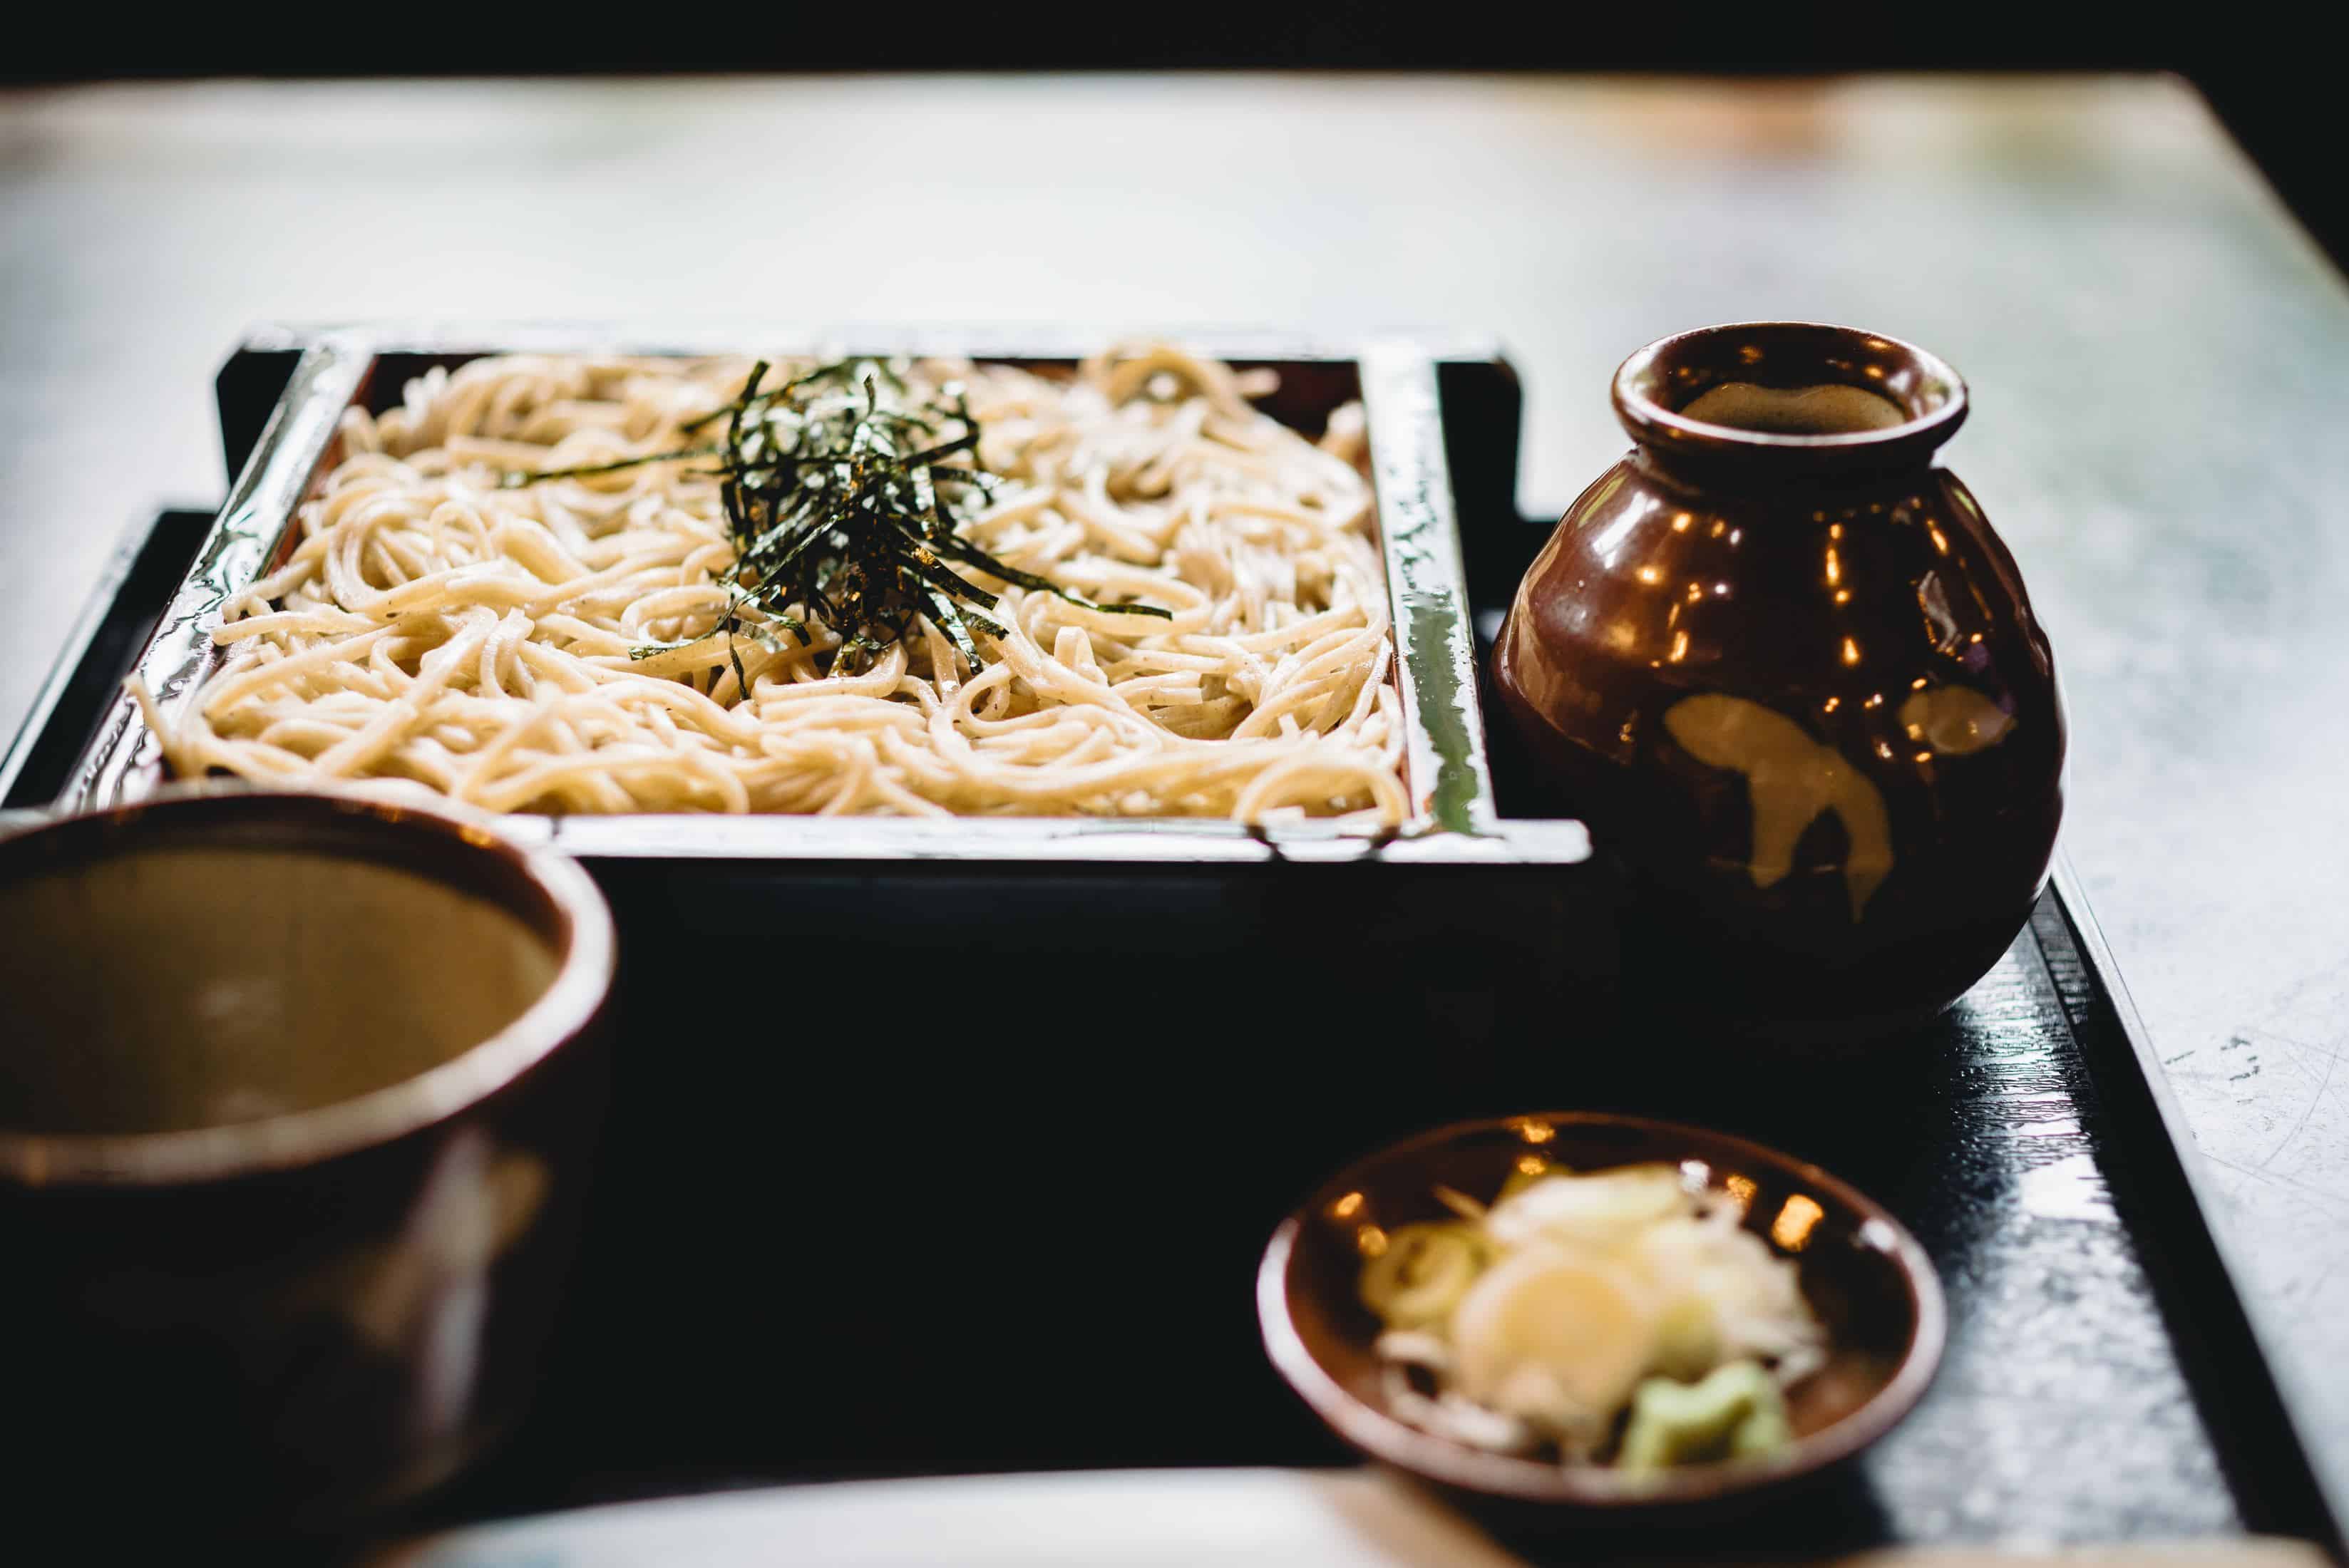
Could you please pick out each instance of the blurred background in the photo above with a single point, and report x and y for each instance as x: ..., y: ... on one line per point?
x: 2259, y: 65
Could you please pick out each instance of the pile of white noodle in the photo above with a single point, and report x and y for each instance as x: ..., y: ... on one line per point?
x: 435, y: 629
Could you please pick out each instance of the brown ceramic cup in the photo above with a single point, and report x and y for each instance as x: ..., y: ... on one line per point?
x: 1781, y: 663
x: 296, y: 1100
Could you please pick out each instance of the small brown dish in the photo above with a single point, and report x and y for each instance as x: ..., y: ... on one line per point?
x: 1871, y: 1285
x: 297, y: 1099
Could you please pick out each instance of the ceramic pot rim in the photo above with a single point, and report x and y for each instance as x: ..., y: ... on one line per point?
x: 369, y: 828
x: 1655, y: 382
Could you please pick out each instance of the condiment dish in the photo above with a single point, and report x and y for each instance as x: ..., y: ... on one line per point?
x: 1865, y: 1277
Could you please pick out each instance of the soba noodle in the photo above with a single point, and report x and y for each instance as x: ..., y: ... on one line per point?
x: 437, y: 629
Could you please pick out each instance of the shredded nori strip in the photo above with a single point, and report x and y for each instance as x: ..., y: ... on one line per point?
x: 849, y: 509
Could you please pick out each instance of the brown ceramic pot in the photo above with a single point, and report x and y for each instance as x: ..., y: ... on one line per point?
x: 297, y: 1101
x: 1779, y: 659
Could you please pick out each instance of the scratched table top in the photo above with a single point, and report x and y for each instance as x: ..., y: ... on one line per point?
x: 2151, y: 342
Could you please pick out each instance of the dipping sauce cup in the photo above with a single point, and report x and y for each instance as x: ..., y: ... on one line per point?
x: 297, y: 1095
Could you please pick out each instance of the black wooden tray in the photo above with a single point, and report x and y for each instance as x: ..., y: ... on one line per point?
x: 824, y: 1247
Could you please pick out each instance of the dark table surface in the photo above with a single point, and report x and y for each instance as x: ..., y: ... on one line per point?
x: 2152, y: 346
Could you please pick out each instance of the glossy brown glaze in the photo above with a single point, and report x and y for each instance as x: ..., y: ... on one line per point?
x: 1791, y: 677
x: 1870, y: 1283
x: 302, y: 1313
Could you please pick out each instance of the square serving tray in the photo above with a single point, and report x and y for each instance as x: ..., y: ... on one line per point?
x: 1494, y: 903
x: 873, y: 1201
x: 1398, y: 379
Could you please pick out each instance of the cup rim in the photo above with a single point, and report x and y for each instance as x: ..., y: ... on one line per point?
x: 1938, y: 406
x: 1381, y: 1436
x: 374, y: 826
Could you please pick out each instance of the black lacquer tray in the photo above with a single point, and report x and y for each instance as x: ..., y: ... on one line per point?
x: 826, y: 1247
